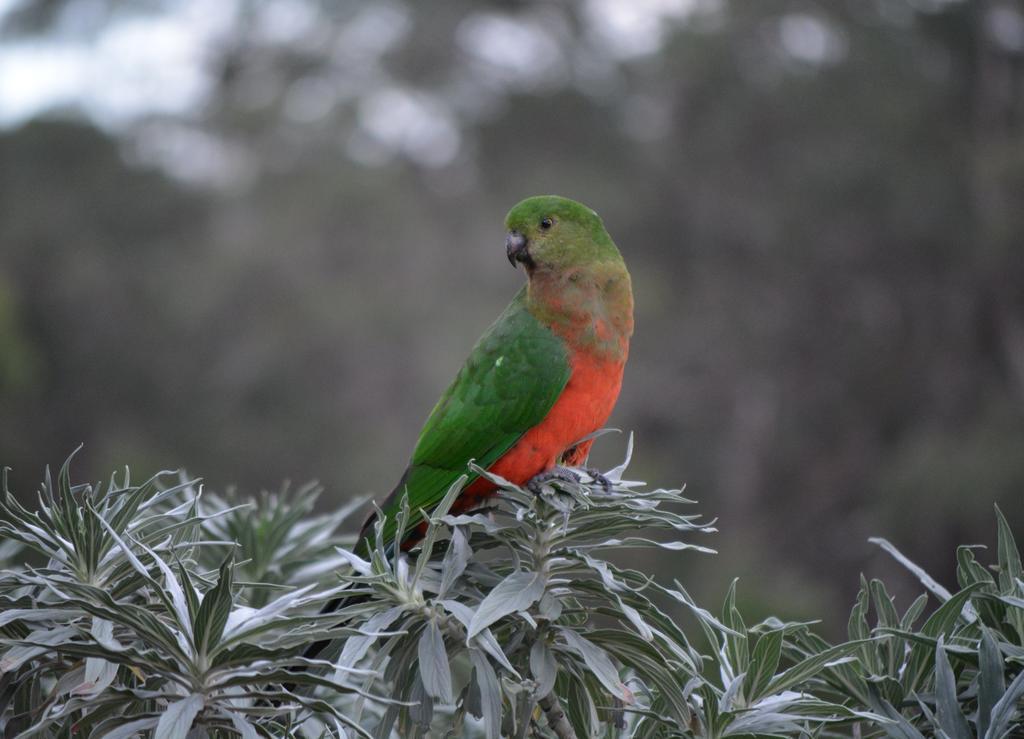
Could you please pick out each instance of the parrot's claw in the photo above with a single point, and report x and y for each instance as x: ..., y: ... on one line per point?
x: 596, y: 476
x: 559, y: 474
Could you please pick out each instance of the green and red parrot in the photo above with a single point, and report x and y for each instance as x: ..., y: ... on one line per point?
x: 543, y: 377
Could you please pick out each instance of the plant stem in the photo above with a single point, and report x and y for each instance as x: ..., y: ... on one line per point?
x: 557, y: 720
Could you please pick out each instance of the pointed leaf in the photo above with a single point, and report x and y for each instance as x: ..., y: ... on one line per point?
x: 455, y: 560
x: 599, y: 664
x: 947, y: 706
x: 1010, y: 569
x: 131, y: 728
x: 215, y: 609
x: 927, y: 580
x: 763, y: 663
x: 811, y: 666
x: 1004, y: 711
x: 543, y: 667
x: 490, y: 693
x: 517, y: 592
x: 178, y: 717
x: 435, y: 671
x: 356, y: 647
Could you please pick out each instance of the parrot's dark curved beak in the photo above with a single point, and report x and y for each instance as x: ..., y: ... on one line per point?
x: 516, y: 249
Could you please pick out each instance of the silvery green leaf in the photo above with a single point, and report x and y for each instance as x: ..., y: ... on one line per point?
x: 543, y: 667
x: 455, y: 560
x: 633, y: 616
x: 482, y: 520
x: 490, y: 693
x: 599, y: 664
x: 896, y: 725
x: 386, y: 723
x: 172, y: 585
x: 950, y: 718
x: 498, y: 480
x: 461, y: 611
x: 136, y: 563
x: 177, y: 718
x: 704, y: 616
x: 764, y: 661
x: 811, y: 665
x: 549, y: 607
x: 99, y: 673
x: 243, y: 727
x: 243, y: 620
x: 727, y: 702
x: 1004, y: 710
x: 927, y: 580
x: 421, y: 709
x: 98, y: 676
x: 1012, y: 601
x: 991, y: 679
x: 8, y: 550
x: 517, y: 592
x: 1010, y: 568
x: 356, y: 562
x: 65, y: 683
x: 485, y: 639
x: 401, y: 569
x: 356, y: 646
x: 921, y: 660
x: 131, y: 729
x: 603, y: 570
x: 639, y: 541
x: 215, y: 608
x: 33, y: 614
x: 434, y: 669
x: 36, y: 643
x: 788, y: 714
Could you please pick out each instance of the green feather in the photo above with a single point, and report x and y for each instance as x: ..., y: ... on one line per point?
x: 510, y: 381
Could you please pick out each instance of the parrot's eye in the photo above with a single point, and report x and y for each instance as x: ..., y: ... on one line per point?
x: 547, y: 223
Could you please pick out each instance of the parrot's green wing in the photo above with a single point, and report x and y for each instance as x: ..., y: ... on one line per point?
x: 510, y: 381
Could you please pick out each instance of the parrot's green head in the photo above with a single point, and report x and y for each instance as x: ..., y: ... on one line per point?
x: 552, y: 233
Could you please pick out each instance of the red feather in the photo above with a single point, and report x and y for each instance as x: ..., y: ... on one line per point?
x: 582, y: 408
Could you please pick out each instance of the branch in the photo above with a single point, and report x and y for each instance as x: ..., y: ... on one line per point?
x: 557, y: 720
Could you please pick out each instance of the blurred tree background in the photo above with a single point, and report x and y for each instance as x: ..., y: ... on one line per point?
x: 255, y: 239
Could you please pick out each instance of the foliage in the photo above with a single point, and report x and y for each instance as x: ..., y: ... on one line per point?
x: 961, y: 673
x: 280, y: 542
x: 122, y: 630
x: 522, y: 610
x: 160, y: 609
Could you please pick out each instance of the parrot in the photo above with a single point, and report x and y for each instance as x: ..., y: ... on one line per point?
x: 540, y: 380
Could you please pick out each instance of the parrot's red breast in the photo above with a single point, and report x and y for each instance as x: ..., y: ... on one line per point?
x: 584, y: 406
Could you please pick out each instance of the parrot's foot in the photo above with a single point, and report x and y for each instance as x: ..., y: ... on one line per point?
x: 596, y: 476
x: 557, y: 474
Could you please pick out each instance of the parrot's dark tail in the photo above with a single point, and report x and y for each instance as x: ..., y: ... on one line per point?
x: 314, y: 649
x: 344, y: 601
